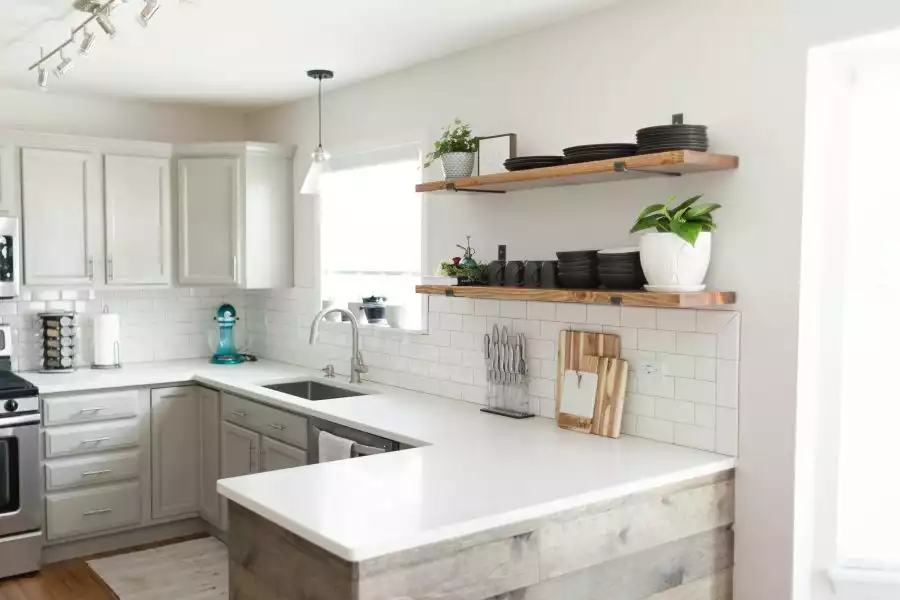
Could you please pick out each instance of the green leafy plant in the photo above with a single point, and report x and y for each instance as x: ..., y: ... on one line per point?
x: 456, y: 137
x: 476, y: 273
x: 687, y: 220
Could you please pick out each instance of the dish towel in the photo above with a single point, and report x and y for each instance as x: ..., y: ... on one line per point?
x: 332, y: 447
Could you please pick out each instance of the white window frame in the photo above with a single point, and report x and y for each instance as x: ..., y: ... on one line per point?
x: 367, y: 155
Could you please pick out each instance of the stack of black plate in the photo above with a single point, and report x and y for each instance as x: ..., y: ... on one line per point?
x: 620, y: 269
x: 662, y: 138
x: 591, y: 152
x: 578, y: 269
x: 532, y: 162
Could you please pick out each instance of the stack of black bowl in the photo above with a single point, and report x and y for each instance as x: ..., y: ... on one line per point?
x: 578, y: 269
x: 620, y: 269
x: 663, y: 138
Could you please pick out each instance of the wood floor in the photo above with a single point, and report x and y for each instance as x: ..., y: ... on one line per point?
x: 68, y: 580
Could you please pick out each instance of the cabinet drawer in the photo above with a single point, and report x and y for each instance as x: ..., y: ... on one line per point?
x: 76, y: 472
x: 86, y: 408
x: 274, y: 423
x: 83, y: 439
x: 86, y: 511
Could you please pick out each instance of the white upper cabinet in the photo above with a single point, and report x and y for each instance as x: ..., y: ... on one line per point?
x: 235, y: 215
x: 208, y: 198
x: 60, y: 216
x: 8, y: 204
x: 138, y: 220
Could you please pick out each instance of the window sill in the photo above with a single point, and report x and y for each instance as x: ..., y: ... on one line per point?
x: 864, y: 584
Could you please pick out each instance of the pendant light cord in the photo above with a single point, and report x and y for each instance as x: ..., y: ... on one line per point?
x: 320, y: 112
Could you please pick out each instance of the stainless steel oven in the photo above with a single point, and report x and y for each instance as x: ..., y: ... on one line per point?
x: 21, y: 500
x: 10, y: 253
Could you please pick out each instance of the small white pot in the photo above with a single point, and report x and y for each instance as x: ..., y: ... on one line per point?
x: 669, y: 261
x: 458, y: 164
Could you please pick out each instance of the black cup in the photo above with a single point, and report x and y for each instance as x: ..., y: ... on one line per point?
x: 549, y: 275
x: 515, y: 273
x: 496, y: 273
x: 532, y: 277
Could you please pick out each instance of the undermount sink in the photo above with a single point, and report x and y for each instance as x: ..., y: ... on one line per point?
x: 313, y: 390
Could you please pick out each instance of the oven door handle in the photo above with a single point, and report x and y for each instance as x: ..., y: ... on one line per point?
x: 18, y: 420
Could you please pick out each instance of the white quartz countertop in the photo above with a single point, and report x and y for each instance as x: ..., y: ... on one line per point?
x: 471, y: 471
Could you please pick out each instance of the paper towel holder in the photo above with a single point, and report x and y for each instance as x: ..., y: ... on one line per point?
x: 115, y: 365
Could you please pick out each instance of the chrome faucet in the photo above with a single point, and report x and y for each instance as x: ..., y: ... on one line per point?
x: 357, y: 366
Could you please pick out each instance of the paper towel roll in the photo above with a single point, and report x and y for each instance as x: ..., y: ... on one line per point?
x: 106, y: 340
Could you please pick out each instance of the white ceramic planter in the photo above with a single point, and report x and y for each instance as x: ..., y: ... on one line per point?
x: 669, y: 261
x: 458, y: 164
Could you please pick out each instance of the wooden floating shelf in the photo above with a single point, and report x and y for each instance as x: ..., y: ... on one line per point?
x: 677, y: 162
x: 630, y: 298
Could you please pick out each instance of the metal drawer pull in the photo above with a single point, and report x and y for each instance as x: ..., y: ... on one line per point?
x: 97, y: 511
x: 239, y: 413
x: 278, y: 426
x: 96, y: 440
x: 92, y: 473
x: 93, y: 409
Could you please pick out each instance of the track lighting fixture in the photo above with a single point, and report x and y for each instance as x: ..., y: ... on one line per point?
x: 148, y: 12
x: 43, y: 78
x: 64, y: 65
x: 87, y: 42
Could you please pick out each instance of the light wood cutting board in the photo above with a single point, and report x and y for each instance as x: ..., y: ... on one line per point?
x: 588, y: 352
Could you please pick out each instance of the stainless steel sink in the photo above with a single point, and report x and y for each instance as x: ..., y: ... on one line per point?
x: 313, y: 390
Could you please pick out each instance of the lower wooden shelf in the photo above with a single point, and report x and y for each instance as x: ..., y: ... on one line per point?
x: 613, y: 298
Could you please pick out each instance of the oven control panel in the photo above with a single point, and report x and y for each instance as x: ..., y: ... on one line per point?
x: 17, y: 406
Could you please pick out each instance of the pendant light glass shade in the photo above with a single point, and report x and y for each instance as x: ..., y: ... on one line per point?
x: 319, y: 156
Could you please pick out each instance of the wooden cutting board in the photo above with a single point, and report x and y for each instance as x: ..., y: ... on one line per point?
x: 581, y: 353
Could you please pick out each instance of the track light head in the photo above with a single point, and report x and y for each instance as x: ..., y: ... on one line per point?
x: 148, y: 12
x: 43, y: 78
x: 106, y: 25
x: 64, y: 65
x: 87, y: 43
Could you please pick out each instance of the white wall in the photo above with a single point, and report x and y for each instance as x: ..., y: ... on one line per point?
x: 50, y: 112
x: 598, y: 79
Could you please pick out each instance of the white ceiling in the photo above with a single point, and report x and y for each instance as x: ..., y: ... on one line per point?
x: 256, y: 52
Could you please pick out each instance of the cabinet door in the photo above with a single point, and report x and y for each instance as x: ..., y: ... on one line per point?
x: 138, y: 220
x: 8, y: 204
x: 240, y: 451
x: 209, y: 455
x: 208, y: 222
x: 174, y: 424
x: 58, y: 197
x: 277, y: 455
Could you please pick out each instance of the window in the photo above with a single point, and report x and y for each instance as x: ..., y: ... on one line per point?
x: 371, y: 232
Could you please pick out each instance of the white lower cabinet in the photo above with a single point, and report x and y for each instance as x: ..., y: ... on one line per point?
x: 86, y: 511
x: 94, y: 470
x: 175, y: 432
x: 209, y: 455
x: 276, y: 455
x: 240, y: 451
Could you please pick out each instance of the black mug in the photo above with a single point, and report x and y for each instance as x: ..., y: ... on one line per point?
x: 549, y: 275
x: 532, y: 277
x: 515, y: 273
x: 496, y: 273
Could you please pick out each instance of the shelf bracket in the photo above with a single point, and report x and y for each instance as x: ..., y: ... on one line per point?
x: 620, y: 167
x: 451, y: 187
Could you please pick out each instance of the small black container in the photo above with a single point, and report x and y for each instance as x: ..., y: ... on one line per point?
x: 374, y: 308
x: 532, y: 277
x: 515, y: 273
x: 549, y: 275
x: 497, y: 273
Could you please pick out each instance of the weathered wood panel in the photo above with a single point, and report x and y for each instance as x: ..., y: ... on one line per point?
x: 267, y: 562
x: 573, y: 544
x: 718, y: 586
x: 472, y: 574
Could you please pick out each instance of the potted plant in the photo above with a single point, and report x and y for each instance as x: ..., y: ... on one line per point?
x: 456, y: 150
x: 465, y: 268
x: 675, y: 257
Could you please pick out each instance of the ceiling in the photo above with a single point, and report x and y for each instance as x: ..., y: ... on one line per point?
x: 256, y: 52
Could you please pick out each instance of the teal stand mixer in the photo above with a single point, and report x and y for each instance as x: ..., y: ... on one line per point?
x: 226, y: 354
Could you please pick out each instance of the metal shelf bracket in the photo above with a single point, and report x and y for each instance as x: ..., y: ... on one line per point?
x: 621, y: 168
x: 451, y: 187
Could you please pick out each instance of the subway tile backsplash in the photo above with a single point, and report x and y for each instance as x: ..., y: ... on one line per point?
x: 683, y: 380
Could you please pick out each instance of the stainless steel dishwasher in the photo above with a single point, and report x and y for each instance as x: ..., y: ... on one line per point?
x: 364, y: 444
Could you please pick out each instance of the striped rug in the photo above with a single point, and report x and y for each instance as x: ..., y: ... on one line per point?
x: 193, y: 570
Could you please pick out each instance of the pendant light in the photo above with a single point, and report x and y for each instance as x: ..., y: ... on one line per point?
x: 319, y: 156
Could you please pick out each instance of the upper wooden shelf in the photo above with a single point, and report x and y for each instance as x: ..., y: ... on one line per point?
x: 630, y: 298
x: 677, y: 162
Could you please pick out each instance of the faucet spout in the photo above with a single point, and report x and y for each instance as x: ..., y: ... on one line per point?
x: 357, y: 366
